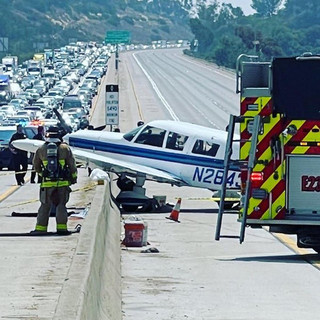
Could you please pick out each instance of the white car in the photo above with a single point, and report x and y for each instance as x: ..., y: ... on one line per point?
x: 9, y: 110
x: 18, y: 103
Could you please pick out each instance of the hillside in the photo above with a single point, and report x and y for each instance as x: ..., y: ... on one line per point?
x: 32, y: 25
x: 276, y: 29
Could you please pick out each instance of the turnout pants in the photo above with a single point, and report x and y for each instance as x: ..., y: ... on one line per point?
x: 57, y: 196
x: 20, y: 167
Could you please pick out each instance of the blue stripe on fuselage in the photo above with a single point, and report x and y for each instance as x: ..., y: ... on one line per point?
x: 147, y: 153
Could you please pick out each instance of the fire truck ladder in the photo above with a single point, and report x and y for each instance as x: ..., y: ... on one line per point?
x: 250, y: 163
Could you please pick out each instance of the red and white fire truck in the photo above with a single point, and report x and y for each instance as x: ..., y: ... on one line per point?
x: 279, y: 157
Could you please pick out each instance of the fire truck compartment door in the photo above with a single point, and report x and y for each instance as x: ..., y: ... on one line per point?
x: 303, y: 184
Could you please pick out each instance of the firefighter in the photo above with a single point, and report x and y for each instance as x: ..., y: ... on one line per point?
x: 20, y: 157
x: 56, y: 165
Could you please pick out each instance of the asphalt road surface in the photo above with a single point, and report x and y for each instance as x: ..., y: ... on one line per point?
x: 193, y: 276
x: 182, y: 88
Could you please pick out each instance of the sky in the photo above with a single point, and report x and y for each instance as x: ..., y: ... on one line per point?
x: 243, y: 4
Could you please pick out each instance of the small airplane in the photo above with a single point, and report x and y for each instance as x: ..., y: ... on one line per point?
x: 166, y: 151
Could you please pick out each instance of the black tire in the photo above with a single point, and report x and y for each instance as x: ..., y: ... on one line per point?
x: 149, y: 206
x: 228, y: 205
x: 125, y: 184
x: 129, y: 208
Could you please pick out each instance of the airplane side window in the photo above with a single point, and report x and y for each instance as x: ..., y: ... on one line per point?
x: 205, y: 148
x: 213, y: 149
x: 176, y: 141
x: 198, y: 147
x: 151, y: 136
x: 131, y: 134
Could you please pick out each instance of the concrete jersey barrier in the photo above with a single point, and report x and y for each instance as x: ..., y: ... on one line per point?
x: 93, y: 287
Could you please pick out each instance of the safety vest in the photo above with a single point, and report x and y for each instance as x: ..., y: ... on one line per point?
x: 62, y: 180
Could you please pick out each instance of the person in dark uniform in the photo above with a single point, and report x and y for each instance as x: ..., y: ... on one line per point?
x: 20, y: 158
x: 38, y: 136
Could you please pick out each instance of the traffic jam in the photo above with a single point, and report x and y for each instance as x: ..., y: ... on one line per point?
x: 54, y: 88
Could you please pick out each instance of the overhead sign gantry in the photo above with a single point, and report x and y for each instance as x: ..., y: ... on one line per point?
x: 118, y: 36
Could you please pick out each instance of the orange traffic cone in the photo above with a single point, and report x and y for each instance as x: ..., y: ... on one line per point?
x: 175, y: 212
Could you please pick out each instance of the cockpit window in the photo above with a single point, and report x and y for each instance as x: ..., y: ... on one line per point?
x: 151, y: 136
x: 176, y: 141
x: 131, y: 134
x: 205, y: 148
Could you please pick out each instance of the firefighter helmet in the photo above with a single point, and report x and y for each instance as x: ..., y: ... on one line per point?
x: 53, y: 134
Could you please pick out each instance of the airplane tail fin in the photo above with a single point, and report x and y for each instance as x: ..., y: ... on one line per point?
x: 63, y: 124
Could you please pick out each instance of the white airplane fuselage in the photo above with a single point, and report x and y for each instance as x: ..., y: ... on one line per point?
x: 195, y: 170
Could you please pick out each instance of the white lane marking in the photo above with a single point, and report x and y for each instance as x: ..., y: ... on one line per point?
x: 205, y: 117
x: 156, y: 89
x: 205, y: 67
x: 165, y: 77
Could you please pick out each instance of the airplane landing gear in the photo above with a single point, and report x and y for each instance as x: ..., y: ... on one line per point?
x: 125, y: 184
x: 232, y: 199
x: 132, y: 196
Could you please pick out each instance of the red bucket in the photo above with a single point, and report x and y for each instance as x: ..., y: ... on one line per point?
x: 134, y: 233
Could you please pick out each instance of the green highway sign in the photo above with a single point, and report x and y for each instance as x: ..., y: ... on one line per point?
x: 118, y: 36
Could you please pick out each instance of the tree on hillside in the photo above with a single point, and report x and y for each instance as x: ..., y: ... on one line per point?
x: 294, y: 7
x: 228, y: 14
x: 202, y: 33
x: 247, y: 34
x: 302, y: 14
x: 208, y: 13
x: 266, y: 8
x: 227, y: 51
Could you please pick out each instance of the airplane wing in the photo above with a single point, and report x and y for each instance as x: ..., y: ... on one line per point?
x: 130, y: 168
x: 108, y: 164
x: 29, y: 145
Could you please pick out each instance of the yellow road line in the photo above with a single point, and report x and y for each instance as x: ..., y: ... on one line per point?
x: 93, y: 108
x: 21, y: 203
x: 208, y: 199
x: 291, y: 244
x: 8, y: 193
x: 87, y: 187
x: 135, y: 94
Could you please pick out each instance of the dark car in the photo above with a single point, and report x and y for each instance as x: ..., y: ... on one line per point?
x: 71, y: 102
x: 6, y: 132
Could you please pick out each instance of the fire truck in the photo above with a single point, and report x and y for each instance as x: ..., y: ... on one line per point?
x: 279, y: 158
